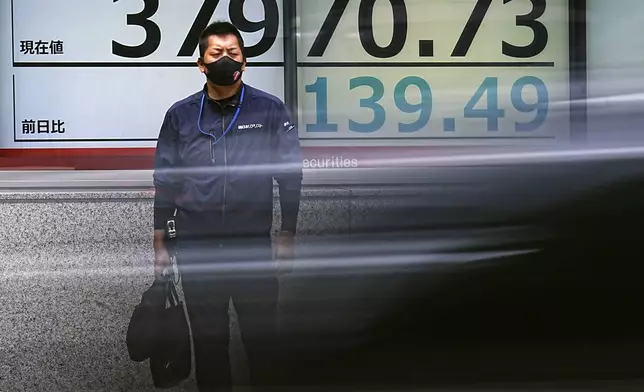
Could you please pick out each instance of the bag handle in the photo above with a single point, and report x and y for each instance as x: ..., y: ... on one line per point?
x: 171, y: 293
x: 171, y: 246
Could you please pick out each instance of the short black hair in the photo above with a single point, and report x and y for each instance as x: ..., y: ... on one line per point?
x: 220, y: 28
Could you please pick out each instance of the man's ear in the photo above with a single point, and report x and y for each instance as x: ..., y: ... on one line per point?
x: 201, y: 65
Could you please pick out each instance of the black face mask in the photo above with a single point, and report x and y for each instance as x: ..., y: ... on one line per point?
x: 224, y: 72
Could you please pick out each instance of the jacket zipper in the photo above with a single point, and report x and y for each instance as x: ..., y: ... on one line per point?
x: 212, y: 158
x: 223, y: 129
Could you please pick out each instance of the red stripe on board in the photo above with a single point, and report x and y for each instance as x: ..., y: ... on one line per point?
x: 77, y: 158
x: 143, y: 158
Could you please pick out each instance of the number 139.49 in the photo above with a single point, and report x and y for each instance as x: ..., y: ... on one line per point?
x: 489, y: 87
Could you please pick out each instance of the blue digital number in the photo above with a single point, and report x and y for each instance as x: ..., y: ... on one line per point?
x: 541, y: 106
x: 487, y: 89
x: 378, y: 91
x: 424, y: 106
x: 492, y: 112
x: 320, y: 89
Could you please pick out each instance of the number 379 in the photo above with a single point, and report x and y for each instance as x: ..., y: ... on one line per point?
x: 270, y: 25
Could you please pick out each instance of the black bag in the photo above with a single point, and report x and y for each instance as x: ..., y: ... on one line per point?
x: 171, y: 359
x: 141, y: 332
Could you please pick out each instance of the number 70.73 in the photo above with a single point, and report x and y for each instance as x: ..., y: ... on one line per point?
x: 489, y: 87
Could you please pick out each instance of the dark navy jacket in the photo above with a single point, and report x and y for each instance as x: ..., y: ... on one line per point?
x: 224, y: 186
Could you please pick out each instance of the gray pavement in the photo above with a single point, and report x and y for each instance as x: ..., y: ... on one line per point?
x: 65, y: 314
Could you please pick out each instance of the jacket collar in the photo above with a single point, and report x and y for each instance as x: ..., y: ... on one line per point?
x: 231, y: 101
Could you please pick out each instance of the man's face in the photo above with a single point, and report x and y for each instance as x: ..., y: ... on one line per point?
x: 219, y: 46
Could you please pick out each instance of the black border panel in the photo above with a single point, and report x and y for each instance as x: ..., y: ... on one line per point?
x: 289, y: 26
x: 13, y: 101
x: 578, y: 49
x: 126, y: 64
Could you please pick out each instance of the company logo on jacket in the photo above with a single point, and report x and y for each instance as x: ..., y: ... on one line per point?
x: 250, y: 126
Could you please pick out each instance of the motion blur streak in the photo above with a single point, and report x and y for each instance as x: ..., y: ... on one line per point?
x: 518, y: 157
x: 551, y: 155
x: 348, y: 265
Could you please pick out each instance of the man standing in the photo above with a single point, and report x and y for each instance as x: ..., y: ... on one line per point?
x: 217, y: 155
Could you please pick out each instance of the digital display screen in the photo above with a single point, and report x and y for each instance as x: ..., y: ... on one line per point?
x: 105, y: 72
x: 411, y: 72
x: 102, y: 73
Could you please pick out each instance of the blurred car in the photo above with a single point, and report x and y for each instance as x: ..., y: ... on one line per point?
x: 498, y: 267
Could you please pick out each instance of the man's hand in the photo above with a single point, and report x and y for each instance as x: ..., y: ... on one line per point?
x: 285, y: 252
x: 161, y: 262
x: 161, y: 256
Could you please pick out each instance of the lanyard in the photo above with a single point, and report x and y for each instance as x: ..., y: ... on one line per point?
x: 230, y: 126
